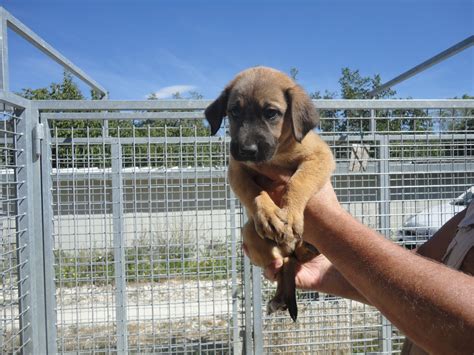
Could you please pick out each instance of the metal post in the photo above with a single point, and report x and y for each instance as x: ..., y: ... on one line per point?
x: 24, y: 226
x: 15, y: 25
x: 384, y: 185
x: 4, y: 75
x: 48, y: 242
x: 248, y: 301
x: 373, y: 127
x: 236, y: 340
x: 385, y: 224
x: 29, y: 239
x: 257, y: 310
x: 119, y: 249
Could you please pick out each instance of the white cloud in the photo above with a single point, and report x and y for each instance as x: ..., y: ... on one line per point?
x: 168, y: 91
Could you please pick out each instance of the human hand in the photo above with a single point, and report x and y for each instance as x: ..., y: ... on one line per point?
x: 309, y: 276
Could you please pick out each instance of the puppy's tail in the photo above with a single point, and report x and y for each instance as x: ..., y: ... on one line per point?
x: 285, y: 296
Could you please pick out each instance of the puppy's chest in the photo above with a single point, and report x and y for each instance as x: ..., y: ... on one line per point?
x: 283, y: 162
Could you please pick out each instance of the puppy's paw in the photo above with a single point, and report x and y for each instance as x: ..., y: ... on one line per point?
x: 295, y: 226
x: 270, y: 220
x: 275, y: 305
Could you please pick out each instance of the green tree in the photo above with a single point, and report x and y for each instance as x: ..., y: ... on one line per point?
x: 355, y: 86
x: 188, y: 153
x: 67, y: 129
x: 66, y: 90
x: 459, y: 119
x: 294, y: 73
x: 68, y: 153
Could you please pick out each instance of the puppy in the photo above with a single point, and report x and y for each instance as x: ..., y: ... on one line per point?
x: 271, y: 121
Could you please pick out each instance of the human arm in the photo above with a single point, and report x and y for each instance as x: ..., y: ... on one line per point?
x: 321, y: 275
x: 431, y: 303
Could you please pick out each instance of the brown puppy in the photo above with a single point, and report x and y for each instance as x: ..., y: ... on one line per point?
x: 271, y: 121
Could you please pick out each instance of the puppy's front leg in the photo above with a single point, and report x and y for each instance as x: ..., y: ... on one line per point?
x: 268, y: 217
x: 309, y: 178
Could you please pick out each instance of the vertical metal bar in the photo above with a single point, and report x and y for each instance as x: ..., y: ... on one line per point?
x: 29, y: 240
x: 236, y: 340
x: 372, y: 127
x: 385, y: 225
x: 4, y: 71
x: 24, y: 226
x: 257, y: 310
x: 48, y: 242
x: 384, y: 185
x: 119, y: 248
x: 248, y: 301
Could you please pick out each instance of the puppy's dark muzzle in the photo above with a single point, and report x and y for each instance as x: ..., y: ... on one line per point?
x: 248, y: 152
x: 254, y: 152
x: 242, y: 152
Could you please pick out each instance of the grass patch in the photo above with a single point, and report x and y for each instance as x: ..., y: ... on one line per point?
x: 164, y: 260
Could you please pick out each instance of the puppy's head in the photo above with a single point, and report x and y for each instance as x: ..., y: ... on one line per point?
x: 265, y: 107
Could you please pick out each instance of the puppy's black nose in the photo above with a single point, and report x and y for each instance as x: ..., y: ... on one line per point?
x: 249, y: 151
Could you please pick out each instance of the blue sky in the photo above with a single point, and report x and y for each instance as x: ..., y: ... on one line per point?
x: 134, y: 48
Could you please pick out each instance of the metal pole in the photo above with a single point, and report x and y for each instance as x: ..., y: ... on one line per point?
x: 48, y: 242
x: 385, y: 224
x: 119, y: 249
x: 257, y: 310
x: 248, y: 302
x: 30, y: 239
x: 15, y: 25
x: 458, y: 47
x: 4, y: 74
x: 236, y: 340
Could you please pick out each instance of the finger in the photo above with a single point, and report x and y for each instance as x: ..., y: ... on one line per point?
x: 268, y: 274
x: 272, y: 270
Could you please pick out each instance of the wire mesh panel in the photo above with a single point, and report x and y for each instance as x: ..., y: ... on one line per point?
x: 13, y: 232
x: 145, y: 228
x: 403, y: 172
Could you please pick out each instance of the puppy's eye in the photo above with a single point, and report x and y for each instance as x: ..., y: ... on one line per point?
x: 234, y: 111
x: 271, y: 114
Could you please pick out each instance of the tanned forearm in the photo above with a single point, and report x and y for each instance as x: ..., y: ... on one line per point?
x: 334, y: 283
x: 432, y: 304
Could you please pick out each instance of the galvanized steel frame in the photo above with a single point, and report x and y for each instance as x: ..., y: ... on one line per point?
x: 39, y: 275
x: 8, y: 21
x: 37, y: 288
x: 127, y: 110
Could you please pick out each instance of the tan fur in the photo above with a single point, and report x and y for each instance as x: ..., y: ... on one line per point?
x: 273, y: 232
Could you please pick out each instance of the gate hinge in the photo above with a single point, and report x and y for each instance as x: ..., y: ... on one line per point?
x: 38, y: 136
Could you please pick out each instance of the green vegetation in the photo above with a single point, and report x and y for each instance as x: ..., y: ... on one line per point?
x: 144, y: 263
x: 68, y: 155
x: 353, y: 85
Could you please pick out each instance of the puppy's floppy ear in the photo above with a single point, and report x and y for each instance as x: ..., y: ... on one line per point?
x: 216, y: 111
x: 303, y: 114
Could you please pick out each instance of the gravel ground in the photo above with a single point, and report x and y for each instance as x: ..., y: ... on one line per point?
x: 192, y: 316
x: 169, y: 300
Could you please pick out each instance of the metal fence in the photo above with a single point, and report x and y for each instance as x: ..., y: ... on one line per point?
x: 120, y: 232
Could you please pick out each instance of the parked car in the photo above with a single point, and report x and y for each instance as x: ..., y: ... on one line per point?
x: 419, y: 227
